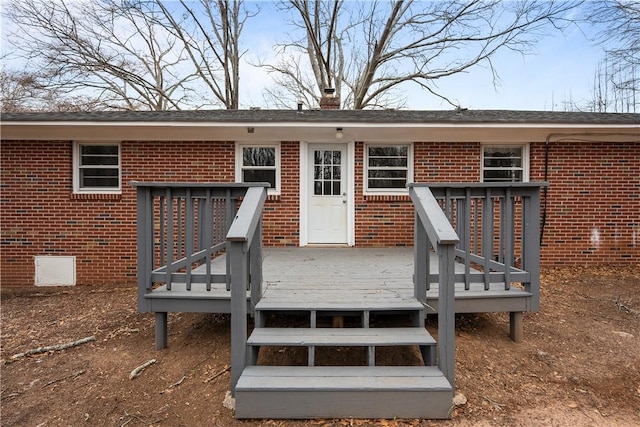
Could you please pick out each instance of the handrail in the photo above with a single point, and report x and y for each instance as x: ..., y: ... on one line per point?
x: 244, y: 240
x: 432, y: 228
x: 245, y: 223
x: 437, y: 225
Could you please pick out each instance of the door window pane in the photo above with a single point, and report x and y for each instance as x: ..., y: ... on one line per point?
x: 327, y: 173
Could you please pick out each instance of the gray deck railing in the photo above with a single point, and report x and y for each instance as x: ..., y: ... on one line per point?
x: 499, y: 229
x: 182, y: 232
x: 433, y: 230
x: 245, y: 255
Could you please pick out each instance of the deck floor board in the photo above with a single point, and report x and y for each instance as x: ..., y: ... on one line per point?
x: 346, y: 278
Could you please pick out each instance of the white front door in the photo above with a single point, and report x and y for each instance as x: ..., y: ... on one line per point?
x: 327, y: 194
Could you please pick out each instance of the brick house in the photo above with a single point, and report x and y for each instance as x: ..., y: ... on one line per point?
x: 67, y: 198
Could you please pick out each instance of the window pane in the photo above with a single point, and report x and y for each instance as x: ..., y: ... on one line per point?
x: 387, y: 183
x: 100, y: 150
x: 397, y: 174
x: 101, y: 178
x: 259, y: 156
x: 392, y: 151
x: 336, y: 172
x: 260, y: 175
x: 327, y: 188
x: 317, y: 188
x: 99, y: 155
x: 387, y: 161
x: 504, y: 175
x: 336, y: 188
x: 337, y: 157
x: 326, y: 157
x: 327, y: 172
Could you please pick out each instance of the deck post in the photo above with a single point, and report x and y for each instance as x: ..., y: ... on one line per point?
x: 439, y: 233
x: 144, y: 245
x: 531, y: 248
x: 239, y: 264
x: 245, y: 232
x: 446, y: 312
x: 516, y: 326
x: 161, y: 330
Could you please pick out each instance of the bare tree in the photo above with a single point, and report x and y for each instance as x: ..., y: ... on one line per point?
x: 370, y: 49
x: 615, y: 88
x: 317, y: 25
x: 213, y: 43
x: 22, y: 91
x: 135, y: 54
x: 617, y: 79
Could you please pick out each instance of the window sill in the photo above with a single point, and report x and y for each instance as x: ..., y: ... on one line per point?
x: 387, y: 197
x: 96, y: 196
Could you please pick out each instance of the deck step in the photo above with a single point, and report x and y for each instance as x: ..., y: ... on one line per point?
x: 340, y: 336
x: 319, y: 304
x: 343, y: 392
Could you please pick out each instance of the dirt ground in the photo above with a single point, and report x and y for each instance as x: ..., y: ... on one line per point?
x: 579, y: 363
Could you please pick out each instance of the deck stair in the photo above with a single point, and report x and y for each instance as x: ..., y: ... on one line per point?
x: 370, y: 391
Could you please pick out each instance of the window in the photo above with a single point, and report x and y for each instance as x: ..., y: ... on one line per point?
x: 259, y: 163
x: 388, y: 168
x: 504, y: 163
x: 96, y: 168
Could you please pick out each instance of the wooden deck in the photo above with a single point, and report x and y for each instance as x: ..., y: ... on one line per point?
x: 335, y: 277
x: 181, y: 226
x: 340, y: 279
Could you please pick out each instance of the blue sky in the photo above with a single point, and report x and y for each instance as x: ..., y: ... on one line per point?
x: 561, y: 68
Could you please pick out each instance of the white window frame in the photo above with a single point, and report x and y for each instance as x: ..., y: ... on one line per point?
x: 239, y: 166
x: 365, y: 173
x: 525, y: 158
x: 77, y: 189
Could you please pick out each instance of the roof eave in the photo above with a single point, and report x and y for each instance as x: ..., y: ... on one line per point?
x: 307, y: 131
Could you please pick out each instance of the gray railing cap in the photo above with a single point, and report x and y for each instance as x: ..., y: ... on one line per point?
x: 531, y: 184
x: 200, y: 184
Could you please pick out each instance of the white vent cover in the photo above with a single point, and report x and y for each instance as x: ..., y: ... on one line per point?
x: 55, y: 270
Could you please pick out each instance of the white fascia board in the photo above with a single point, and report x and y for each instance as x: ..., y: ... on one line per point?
x: 324, y: 124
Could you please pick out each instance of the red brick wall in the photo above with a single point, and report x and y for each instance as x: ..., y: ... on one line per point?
x: 594, y: 192
x: 593, y: 202
x: 388, y: 220
x: 281, y: 221
x: 41, y: 216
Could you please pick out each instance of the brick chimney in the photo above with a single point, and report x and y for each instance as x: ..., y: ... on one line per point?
x: 329, y: 101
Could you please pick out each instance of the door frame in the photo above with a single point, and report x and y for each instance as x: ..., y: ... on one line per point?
x: 305, y: 188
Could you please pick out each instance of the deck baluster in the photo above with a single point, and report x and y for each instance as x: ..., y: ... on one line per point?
x: 509, y: 234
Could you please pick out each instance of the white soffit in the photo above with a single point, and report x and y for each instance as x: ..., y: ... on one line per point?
x: 313, y: 131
